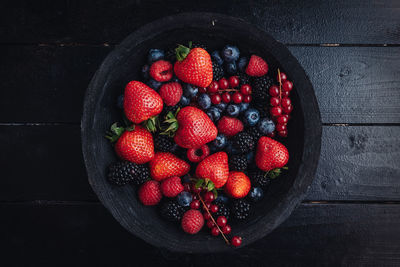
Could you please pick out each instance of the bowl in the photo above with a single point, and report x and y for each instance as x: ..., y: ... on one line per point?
x: 124, y: 63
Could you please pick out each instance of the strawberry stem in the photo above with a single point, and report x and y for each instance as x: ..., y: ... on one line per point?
x: 182, y: 52
x: 116, y: 131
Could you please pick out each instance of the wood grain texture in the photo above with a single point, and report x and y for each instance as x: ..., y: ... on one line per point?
x: 86, y: 234
x: 362, y: 22
x: 357, y: 163
x: 352, y: 84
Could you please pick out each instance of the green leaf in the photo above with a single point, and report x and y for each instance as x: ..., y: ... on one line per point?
x: 199, y: 183
x: 215, y: 192
x: 210, y: 186
x: 151, y: 124
x: 182, y: 52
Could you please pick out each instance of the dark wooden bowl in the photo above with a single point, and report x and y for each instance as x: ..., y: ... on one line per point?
x: 123, y: 64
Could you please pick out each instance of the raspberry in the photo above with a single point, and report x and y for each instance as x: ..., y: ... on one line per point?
x: 171, y: 93
x: 172, y: 186
x: 161, y: 71
x: 192, y: 221
x: 150, y: 193
x: 257, y: 66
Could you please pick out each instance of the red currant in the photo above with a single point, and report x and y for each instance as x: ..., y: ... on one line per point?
x: 206, y: 216
x: 226, y: 229
x: 237, y: 97
x: 274, y: 101
x: 213, y: 208
x: 223, y: 83
x: 247, y: 99
x: 213, y: 87
x: 245, y: 89
x: 287, y: 86
x: 283, y: 133
x: 287, y: 109
x: 274, y: 90
x: 283, y: 77
x: 233, y: 81
x: 210, y: 224
x: 186, y: 187
x: 221, y: 221
x: 282, y: 119
x: 195, y: 204
x: 276, y: 111
x: 280, y: 127
x: 226, y: 97
x: 196, y: 190
x: 195, y: 197
x: 271, y: 135
x: 208, y: 205
x: 216, y: 99
x: 236, y: 241
x: 209, y: 197
x: 286, y: 102
x: 214, y: 231
x: 202, y: 90
x: 285, y: 93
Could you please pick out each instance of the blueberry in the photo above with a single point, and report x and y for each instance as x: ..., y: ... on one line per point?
x: 230, y: 53
x: 233, y: 110
x: 145, y: 72
x: 175, y: 79
x: 221, y: 106
x: 184, y: 101
x: 184, y: 198
x: 222, y: 198
x: 190, y: 91
x: 154, y: 84
x: 204, y: 101
x: 243, y: 107
x: 250, y: 157
x: 230, y: 67
x: 251, y: 116
x: 217, y: 57
x: 242, y: 63
x: 120, y: 102
x: 213, y: 149
x: 266, y: 126
x: 220, y: 141
x: 256, y: 194
x: 214, y: 113
x: 230, y: 149
x: 154, y: 55
x: 186, y: 179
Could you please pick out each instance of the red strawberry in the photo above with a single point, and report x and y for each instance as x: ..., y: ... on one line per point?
x: 257, y: 66
x: 271, y: 154
x: 141, y: 102
x: 161, y: 71
x: 195, y: 128
x: 238, y: 185
x: 165, y: 165
x: 171, y: 93
x: 150, y: 193
x: 192, y: 221
x: 215, y: 168
x: 194, y: 66
x: 172, y: 186
x: 135, y: 146
x: 229, y: 126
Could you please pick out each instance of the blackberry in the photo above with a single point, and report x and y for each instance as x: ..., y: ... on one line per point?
x: 243, y: 78
x: 260, y: 178
x: 238, y: 163
x: 170, y: 54
x: 223, y: 210
x: 218, y: 71
x: 262, y: 108
x: 243, y: 142
x: 124, y: 172
x: 260, y: 87
x: 240, y: 209
x: 172, y: 211
x: 253, y: 131
x: 201, y: 45
x: 163, y: 143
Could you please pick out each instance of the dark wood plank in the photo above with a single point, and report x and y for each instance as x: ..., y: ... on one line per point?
x: 288, y: 21
x: 353, y: 85
x: 357, y: 163
x: 86, y: 234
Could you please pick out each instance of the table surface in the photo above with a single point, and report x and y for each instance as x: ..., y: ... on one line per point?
x: 51, y: 217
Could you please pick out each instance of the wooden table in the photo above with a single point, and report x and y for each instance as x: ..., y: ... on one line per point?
x: 51, y: 49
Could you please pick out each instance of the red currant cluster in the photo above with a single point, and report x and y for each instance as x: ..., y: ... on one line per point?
x: 228, y: 90
x: 281, y: 105
x: 204, y: 199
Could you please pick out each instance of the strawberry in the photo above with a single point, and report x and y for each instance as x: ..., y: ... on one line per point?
x: 171, y: 93
x: 271, y: 154
x: 257, y: 66
x: 172, y: 186
x: 141, y: 102
x: 229, y: 126
x: 150, y: 193
x: 215, y: 168
x: 165, y: 165
x: 134, y: 144
x: 195, y: 128
x: 192, y: 221
x: 194, y: 66
x: 238, y: 185
x: 161, y: 71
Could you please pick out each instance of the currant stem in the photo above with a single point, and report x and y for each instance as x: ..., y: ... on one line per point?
x: 212, y: 218
x: 228, y: 90
x: 280, y: 86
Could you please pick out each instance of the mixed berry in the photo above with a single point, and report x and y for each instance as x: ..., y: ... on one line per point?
x: 198, y: 136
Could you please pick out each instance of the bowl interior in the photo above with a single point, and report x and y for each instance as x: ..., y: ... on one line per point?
x: 123, y: 65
